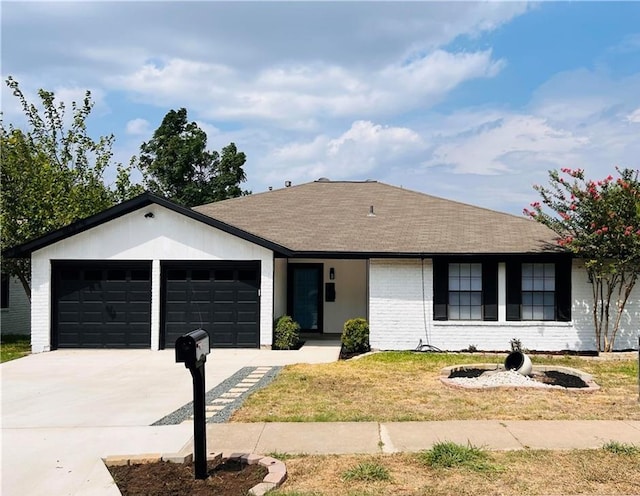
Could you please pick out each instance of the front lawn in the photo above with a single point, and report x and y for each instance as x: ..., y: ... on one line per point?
x: 405, y: 386
x: 14, y: 346
x: 508, y: 473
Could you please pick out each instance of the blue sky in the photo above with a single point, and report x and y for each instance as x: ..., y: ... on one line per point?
x: 469, y: 101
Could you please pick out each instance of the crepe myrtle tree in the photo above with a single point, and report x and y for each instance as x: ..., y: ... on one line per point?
x: 598, y: 221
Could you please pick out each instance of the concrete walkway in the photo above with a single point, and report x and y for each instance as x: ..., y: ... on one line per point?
x: 391, y: 437
x: 63, y: 411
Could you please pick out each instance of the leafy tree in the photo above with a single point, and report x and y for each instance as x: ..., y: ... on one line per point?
x: 176, y: 164
x: 600, y: 223
x: 52, y: 174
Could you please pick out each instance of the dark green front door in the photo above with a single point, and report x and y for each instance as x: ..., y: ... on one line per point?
x: 305, y: 296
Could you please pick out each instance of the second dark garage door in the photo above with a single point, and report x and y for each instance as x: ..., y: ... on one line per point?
x: 220, y: 297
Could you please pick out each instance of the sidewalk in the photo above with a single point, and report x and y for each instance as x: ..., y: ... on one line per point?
x: 391, y: 437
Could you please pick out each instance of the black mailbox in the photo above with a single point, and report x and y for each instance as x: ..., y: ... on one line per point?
x: 192, y: 347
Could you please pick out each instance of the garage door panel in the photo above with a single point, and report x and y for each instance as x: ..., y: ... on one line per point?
x: 217, y: 296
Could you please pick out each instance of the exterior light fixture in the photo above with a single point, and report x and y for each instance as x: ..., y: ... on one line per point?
x: 332, y: 273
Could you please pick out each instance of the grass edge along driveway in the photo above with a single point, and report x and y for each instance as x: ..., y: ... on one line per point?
x: 405, y: 386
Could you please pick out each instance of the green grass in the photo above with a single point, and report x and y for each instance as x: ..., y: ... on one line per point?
x: 13, y: 346
x: 624, y: 449
x: 452, y: 455
x: 366, y: 472
x: 405, y: 386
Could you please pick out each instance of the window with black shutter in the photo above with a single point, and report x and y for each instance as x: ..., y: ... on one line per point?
x: 465, y: 290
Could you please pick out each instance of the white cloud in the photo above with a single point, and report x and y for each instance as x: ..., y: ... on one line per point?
x: 299, y: 95
x: 500, y: 145
x: 634, y: 116
x: 358, y: 152
x: 138, y: 127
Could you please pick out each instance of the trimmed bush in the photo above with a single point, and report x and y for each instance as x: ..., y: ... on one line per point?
x: 286, y: 334
x: 355, y: 336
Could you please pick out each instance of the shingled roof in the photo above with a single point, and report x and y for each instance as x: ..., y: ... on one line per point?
x: 368, y: 217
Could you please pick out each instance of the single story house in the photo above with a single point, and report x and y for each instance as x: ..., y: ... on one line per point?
x: 422, y: 270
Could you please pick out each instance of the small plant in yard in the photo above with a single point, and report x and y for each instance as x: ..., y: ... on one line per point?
x: 286, y: 333
x: 355, y: 336
x: 367, y: 472
x: 472, y: 348
x: 451, y: 455
x: 516, y: 345
x: 618, y: 448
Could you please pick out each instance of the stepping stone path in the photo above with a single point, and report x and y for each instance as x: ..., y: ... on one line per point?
x: 226, y: 397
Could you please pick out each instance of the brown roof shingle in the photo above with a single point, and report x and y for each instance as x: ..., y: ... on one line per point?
x: 334, y: 217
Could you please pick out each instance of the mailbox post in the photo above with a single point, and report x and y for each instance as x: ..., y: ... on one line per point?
x: 192, y: 350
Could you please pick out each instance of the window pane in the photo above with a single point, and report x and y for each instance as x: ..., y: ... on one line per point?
x: 476, y: 284
x: 538, y: 284
x: 476, y: 270
x: 527, y: 299
x: 476, y: 313
x: 454, y: 299
x: 548, y: 313
x: 549, y: 284
x: 465, y: 299
x: 117, y: 275
x: 465, y: 270
x: 538, y: 270
x: 140, y: 275
x: 527, y: 270
x: 454, y: 284
x: 538, y: 298
x: 465, y: 284
x: 549, y: 270
x: 454, y: 313
x: 200, y: 275
x: 224, y: 275
x: 549, y: 299
x: 538, y: 313
x: 476, y: 299
x: 465, y: 313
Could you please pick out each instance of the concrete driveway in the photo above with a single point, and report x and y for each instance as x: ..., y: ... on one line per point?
x: 64, y: 410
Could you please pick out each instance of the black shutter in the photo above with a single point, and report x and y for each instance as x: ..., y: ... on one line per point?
x: 490, y: 290
x: 563, y: 289
x: 514, y: 290
x: 440, y: 288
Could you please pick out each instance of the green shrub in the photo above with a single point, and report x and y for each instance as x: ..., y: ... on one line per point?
x: 355, y: 336
x: 286, y: 334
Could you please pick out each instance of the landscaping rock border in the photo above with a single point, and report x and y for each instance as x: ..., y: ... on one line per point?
x: 537, y: 369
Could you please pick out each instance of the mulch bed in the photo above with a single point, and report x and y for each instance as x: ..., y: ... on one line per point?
x: 229, y: 478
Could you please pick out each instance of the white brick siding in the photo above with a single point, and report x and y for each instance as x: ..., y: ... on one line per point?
x: 397, y: 310
x: 401, y: 315
x: 16, y: 318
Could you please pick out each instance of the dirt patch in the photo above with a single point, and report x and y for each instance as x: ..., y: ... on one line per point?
x: 228, y: 478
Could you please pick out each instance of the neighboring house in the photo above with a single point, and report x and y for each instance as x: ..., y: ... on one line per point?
x: 15, y: 312
x: 421, y: 269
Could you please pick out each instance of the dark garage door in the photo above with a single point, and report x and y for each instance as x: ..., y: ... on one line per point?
x: 102, y: 305
x: 220, y: 297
